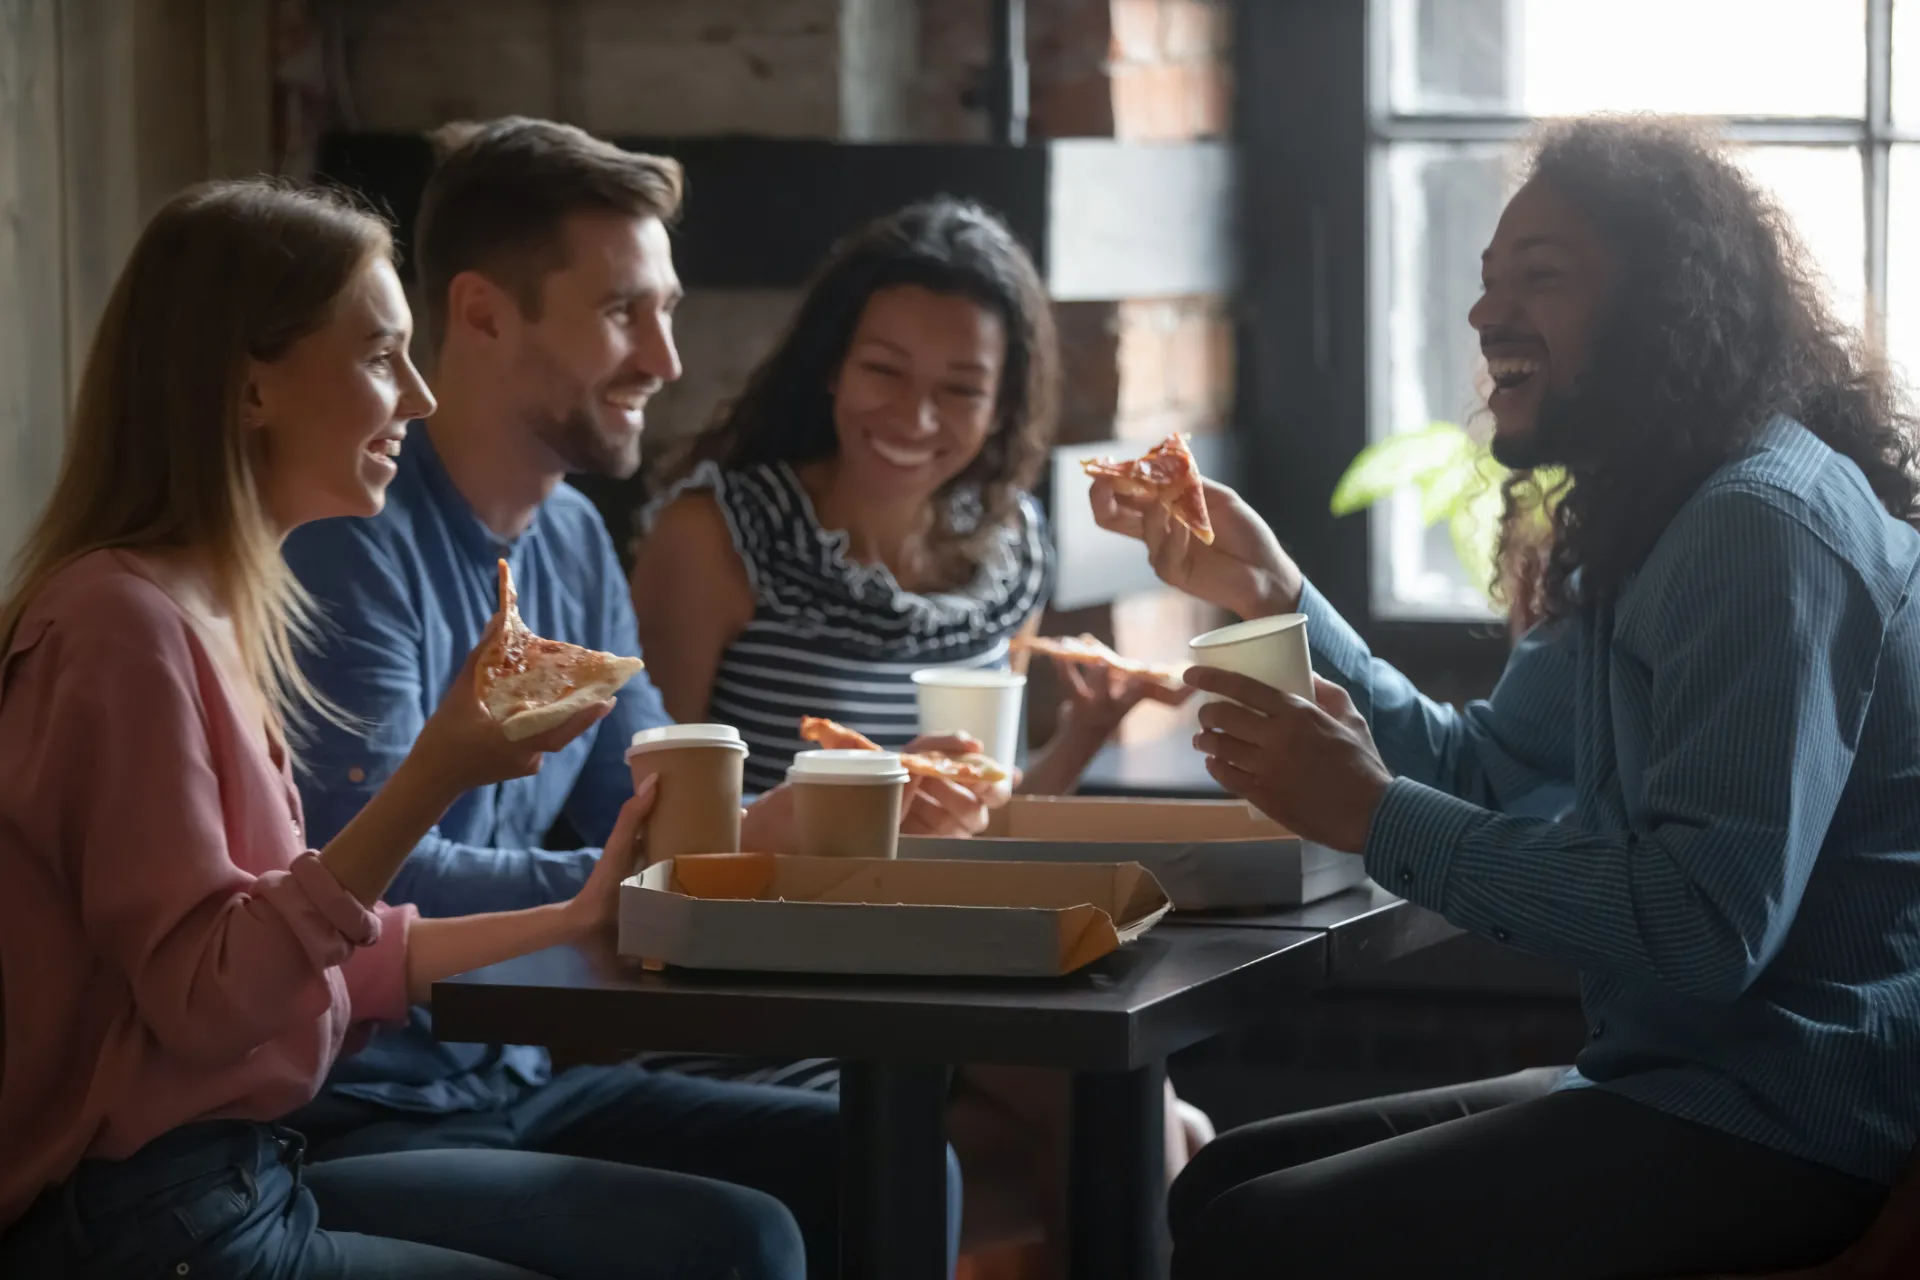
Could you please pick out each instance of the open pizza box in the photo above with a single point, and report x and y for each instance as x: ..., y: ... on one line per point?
x: 878, y: 916
x: 1207, y: 854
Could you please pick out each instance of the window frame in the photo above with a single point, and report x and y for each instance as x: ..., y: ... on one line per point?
x: 1313, y: 122
x: 1873, y: 136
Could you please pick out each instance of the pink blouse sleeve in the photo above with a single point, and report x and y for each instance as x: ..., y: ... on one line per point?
x: 377, y: 975
x: 219, y: 961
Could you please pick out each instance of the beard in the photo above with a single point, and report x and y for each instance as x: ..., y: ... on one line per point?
x: 1590, y: 424
x: 1565, y: 420
x: 585, y: 447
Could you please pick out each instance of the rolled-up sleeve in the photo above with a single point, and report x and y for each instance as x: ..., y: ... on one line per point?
x: 218, y: 960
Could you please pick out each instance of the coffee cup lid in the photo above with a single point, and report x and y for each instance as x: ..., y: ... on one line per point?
x: 968, y: 678
x: 846, y: 766
x: 685, y: 735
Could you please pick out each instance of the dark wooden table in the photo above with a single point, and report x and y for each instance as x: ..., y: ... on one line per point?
x: 1364, y: 927
x: 1113, y: 1024
x: 1167, y: 767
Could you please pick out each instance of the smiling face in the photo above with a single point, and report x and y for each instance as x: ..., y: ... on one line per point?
x: 601, y: 345
x: 915, y: 398
x: 1547, y: 280
x: 330, y: 414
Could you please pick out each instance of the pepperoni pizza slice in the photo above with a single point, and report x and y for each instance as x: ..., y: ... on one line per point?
x: 972, y: 770
x: 1165, y: 474
x: 531, y: 685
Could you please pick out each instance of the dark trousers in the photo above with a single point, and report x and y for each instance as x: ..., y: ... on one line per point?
x: 785, y: 1142
x: 228, y: 1199
x: 1502, y: 1178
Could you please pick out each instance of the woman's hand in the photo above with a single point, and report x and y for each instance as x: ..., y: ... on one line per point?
x: 1311, y: 766
x: 598, y: 902
x: 464, y: 747
x: 942, y: 807
x: 1098, y: 698
x: 1244, y: 570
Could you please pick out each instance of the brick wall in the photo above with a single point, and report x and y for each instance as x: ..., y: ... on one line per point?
x: 789, y: 68
x: 1142, y: 70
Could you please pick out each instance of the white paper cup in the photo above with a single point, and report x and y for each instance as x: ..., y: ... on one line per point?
x: 1270, y: 650
x: 985, y: 704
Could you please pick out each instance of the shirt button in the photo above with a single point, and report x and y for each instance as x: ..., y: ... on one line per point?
x: 1406, y: 876
x: 356, y: 774
x: 1599, y: 1029
x: 1501, y: 935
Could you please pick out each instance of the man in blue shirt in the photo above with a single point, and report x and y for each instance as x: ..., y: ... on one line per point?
x: 1727, y: 685
x: 548, y: 291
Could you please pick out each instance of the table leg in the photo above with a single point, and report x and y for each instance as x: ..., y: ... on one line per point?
x: 893, y: 1171
x: 1119, y: 1175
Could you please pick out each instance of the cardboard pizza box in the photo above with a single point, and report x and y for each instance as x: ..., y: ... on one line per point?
x: 880, y: 916
x: 1206, y: 854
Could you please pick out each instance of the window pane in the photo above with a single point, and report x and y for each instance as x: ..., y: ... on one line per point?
x: 1437, y: 208
x: 1903, y: 261
x: 1906, y: 63
x: 1822, y: 191
x: 1560, y: 57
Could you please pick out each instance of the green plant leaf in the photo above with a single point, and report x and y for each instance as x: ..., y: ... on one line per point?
x: 1447, y: 485
x: 1388, y: 466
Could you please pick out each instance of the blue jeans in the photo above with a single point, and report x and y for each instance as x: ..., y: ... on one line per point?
x: 785, y: 1142
x: 230, y: 1198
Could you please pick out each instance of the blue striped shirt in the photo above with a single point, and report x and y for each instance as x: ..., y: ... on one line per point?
x: 1738, y: 878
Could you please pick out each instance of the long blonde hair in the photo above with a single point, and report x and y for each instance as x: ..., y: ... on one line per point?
x: 157, y: 458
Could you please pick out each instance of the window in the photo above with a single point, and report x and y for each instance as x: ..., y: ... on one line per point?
x: 1823, y: 95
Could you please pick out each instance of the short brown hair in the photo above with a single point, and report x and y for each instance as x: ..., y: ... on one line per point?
x: 498, y: 199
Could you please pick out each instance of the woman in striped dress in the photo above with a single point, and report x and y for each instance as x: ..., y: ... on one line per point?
x: 860, y: 512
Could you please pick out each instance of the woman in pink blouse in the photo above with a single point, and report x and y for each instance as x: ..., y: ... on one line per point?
x: 177, y: 968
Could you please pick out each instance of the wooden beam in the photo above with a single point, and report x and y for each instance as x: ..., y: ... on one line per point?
x: 33, y: 350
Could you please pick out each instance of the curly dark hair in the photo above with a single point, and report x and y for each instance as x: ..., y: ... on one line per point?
x: 945, y: 245
x: 1718, y: 324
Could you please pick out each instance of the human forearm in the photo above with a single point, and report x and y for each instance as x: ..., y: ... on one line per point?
x: 371, y: 847
x: 441, y: 948
x: 1057, y: 769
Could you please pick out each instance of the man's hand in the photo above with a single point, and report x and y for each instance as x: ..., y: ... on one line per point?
x: 1244, y: 570
x: 1312, y: 768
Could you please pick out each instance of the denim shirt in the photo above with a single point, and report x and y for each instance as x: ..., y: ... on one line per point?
x: 405, y: 595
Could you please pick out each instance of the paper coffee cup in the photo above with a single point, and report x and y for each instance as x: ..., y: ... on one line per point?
x: 846, y: 804
x: 697, y: 807
x: 985, y: 704
x: 1270, y: 650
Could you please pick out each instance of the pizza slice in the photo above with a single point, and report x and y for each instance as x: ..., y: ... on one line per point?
x: 1164, y: 474
x: 970, y: 770
x: 531, y: 685
x: 1085, y: 650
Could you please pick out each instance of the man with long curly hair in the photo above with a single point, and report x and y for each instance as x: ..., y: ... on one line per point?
x: 1725, y: 687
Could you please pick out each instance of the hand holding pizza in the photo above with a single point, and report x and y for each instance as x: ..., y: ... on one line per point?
x: 465, y: 746
x: 956, y: 806
x: 1243, y: 569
